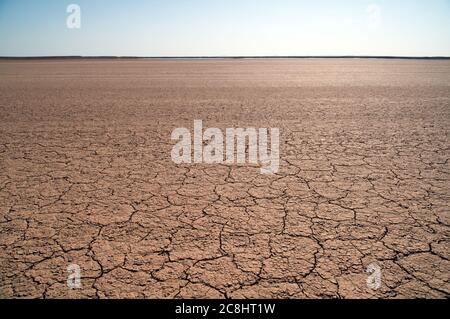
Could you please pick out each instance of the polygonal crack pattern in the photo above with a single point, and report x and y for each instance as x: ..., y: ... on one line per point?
x: 86, y: 178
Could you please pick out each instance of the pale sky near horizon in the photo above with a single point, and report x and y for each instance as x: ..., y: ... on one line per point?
x: 226, y: 27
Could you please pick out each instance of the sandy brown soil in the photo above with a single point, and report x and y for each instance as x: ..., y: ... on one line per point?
x: 86, y: 177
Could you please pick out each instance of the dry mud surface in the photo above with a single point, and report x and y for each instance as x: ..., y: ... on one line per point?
x: 86, y: 178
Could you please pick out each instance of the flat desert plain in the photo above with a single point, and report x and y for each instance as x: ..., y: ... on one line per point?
x: 86, y: 178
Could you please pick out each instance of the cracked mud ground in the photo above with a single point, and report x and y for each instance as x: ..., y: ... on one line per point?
x: 86, y: 178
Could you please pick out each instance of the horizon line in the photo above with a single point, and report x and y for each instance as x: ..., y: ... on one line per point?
x: 227, y: 57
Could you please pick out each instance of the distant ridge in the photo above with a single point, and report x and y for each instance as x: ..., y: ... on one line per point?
x: 228, y: 57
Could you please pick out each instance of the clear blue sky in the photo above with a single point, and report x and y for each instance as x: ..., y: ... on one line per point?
x: 226, y: 27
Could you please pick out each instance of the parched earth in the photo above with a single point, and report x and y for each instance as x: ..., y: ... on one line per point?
x: 86, y: 178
